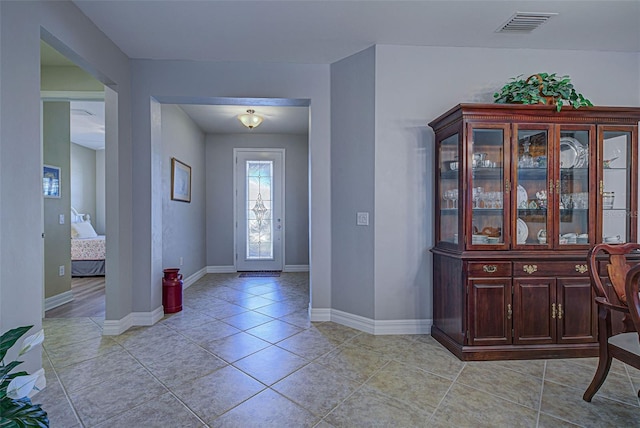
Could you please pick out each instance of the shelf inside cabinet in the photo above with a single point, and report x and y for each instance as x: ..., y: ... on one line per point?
x: 532, y: 173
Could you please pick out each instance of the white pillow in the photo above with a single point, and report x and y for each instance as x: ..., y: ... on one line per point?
x: 83, y: 230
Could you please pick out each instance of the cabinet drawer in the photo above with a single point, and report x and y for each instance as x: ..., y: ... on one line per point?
x: 544, y: 268
x: 489, y: 269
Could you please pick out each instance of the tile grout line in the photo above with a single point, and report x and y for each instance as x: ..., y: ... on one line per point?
x: 64, y: 389
x: 165, y: 386
x: 354, y: 391
x: 544, y: 375
x: 447, y: 392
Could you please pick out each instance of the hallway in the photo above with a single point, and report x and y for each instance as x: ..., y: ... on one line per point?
x: 243, y: 353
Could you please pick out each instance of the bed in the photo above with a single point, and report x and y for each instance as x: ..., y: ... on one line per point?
x: 88, y: 249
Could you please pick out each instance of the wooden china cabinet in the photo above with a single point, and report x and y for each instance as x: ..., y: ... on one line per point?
x: 521, y: 195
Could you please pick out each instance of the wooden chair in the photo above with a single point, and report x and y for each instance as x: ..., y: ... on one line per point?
x: 622, y: 298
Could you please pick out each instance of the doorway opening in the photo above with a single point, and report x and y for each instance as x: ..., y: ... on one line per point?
x: 74, y: 139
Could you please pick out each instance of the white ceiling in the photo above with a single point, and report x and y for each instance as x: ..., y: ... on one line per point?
x: 222, y: 119
x: 306, y: 31
x: 87, y: 124
x: 322, y: 32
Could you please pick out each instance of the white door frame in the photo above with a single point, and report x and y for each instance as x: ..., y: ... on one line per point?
x: 236, y: 152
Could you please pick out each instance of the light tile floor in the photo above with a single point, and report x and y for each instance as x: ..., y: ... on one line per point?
x: 243, y: 353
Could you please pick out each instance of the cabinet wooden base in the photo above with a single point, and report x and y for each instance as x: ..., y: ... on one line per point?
x: 514, y: 352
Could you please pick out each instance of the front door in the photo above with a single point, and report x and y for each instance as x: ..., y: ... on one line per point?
x: 259, y: 209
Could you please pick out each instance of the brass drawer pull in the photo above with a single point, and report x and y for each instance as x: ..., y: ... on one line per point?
x: 559, y: 311
x: 553, y: 310
x: 530, y: 268
x: 581, y: 268
x: 490, y: 268
x: 509, y: 311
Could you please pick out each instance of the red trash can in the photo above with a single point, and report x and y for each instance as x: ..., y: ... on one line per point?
x: 172, y: 290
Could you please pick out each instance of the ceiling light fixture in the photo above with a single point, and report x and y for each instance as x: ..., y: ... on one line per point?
x: 250, y: 119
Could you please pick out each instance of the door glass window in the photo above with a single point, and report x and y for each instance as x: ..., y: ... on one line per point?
x: 573, y: 187
x: 532, y: 198
x: 449, y: 195
x: 616, y: 198
x: 487, y: 182
x: 258, y: 205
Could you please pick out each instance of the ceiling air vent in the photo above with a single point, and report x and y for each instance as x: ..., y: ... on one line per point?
x: 525, y: 22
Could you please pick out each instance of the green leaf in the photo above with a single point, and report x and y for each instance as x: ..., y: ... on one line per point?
x: 5, y: 370
x: 22, y: 413
x: 8, y: 339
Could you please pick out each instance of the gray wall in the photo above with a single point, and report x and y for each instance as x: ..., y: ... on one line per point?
x: 66, y: 78
x: 21, y: 246
x: 178, y: 82
x: 183, y: 224
x: 83, y: 180
x: 220, y: 221
x: 415, y: 85
x: 352, y: 177
x: 57, y: 242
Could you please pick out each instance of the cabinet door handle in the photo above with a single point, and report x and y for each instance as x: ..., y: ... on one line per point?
x: 553, y: 310
x: 530, y: 268
x: 509, y: 311
x: 581, y: 268
x: 559, y: 311
x: 490, y: 268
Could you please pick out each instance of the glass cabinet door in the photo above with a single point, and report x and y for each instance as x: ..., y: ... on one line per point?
x: 573, y: 186
x: 450, y: 167
x: 530, y: 188
x: 614, y: 188
x: 487, y: 185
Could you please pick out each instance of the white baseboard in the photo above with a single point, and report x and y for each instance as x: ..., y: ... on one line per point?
x: 193, y: 278
x: 296, y: 268
x: 221, y: 269
x: 320, y: 315
x: 116, y: 327
x: 58, y: 300
x: 368, y: 325
x: 354, y: 321
x: 232, y: 269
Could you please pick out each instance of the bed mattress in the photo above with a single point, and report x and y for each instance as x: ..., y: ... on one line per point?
x: 88, y: 248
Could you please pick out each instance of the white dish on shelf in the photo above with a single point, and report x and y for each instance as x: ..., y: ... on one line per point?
x: 523, y: 231
x: 479, y: 239
x: 523, y: 197
x: 572, y: 153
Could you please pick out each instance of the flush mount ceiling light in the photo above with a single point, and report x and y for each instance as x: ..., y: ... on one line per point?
x: 250, y: 119
x: 525, y: 22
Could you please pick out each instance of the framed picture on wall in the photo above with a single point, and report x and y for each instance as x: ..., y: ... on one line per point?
x: 180, y: 181
x: 50, y: 181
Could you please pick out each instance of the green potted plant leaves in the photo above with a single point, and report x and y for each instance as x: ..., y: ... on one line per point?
x: 541, y: 88
x: 16, y: 408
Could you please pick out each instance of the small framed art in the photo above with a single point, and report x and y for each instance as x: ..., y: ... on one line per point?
x: 180, y: 181
x: 50, y: 181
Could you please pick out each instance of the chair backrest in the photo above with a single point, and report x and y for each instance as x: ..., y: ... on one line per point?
x: 633, y: 295
x: 617, y: 268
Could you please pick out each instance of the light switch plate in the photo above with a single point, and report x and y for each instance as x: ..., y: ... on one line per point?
x: 362, y: 219
x: 61, y: 219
